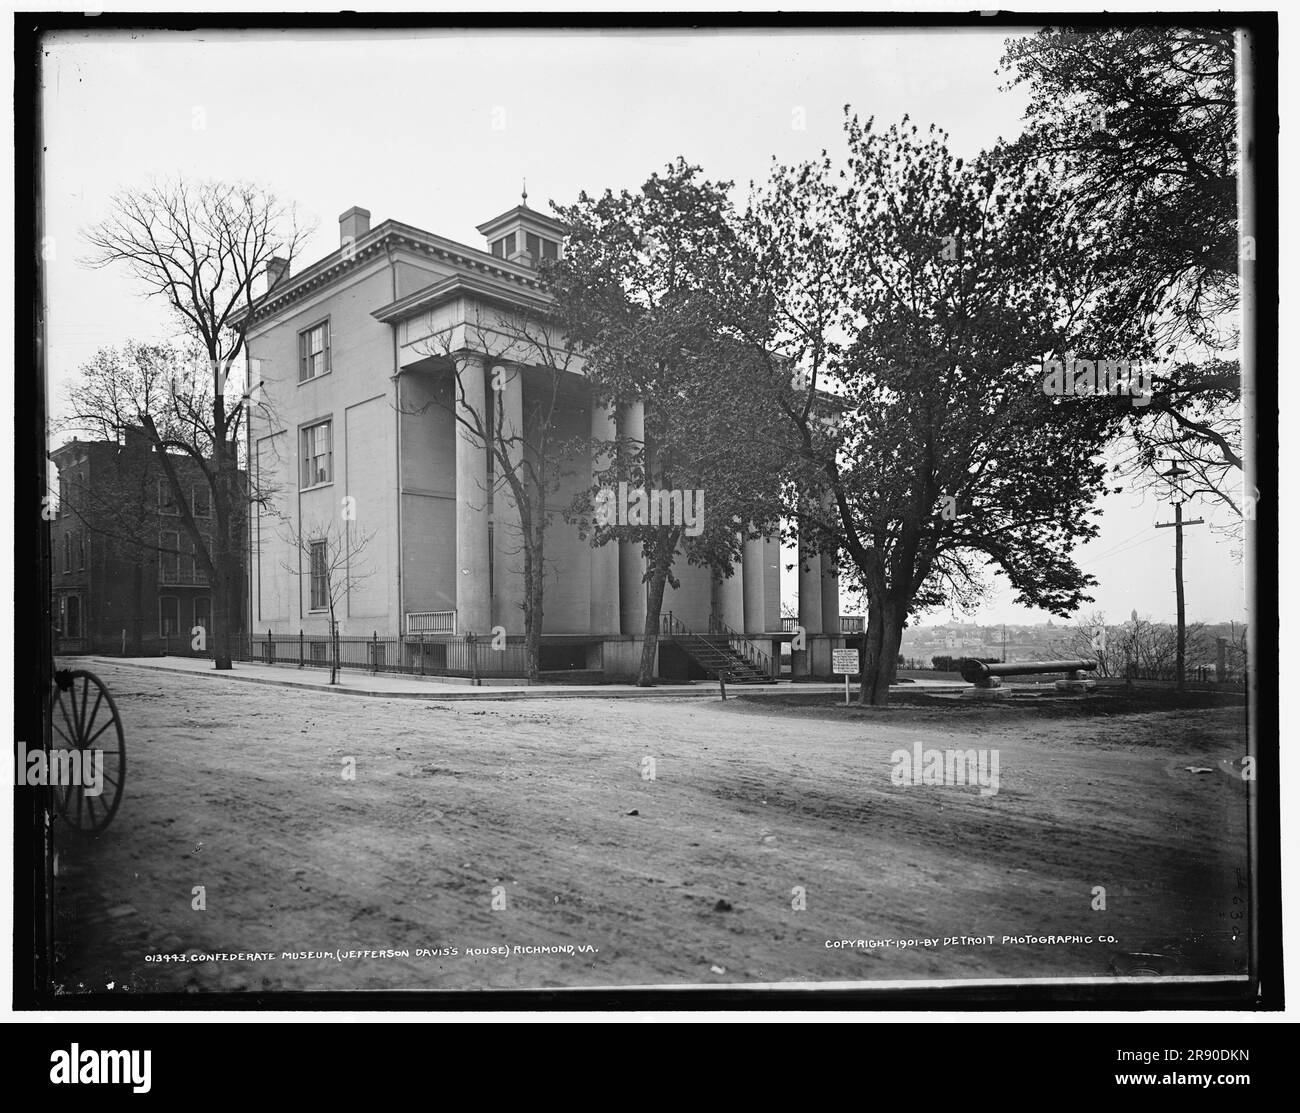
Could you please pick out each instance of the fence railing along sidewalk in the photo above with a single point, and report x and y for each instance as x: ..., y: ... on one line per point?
x: 418, y: 655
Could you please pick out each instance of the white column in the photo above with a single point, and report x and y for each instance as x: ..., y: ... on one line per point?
x: 473, y: 599
x: 729, y: 596
x: 632, y: 589
x: 755, y: 580
x: 605, y: 617
x: 507, y: 533
x: 772, y: 583
x: 830, y: 594
x: 830, y: 574
x: 810, y: 604
x: 810, y: 588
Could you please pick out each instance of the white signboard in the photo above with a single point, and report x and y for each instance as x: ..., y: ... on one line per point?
x: 845, y: 661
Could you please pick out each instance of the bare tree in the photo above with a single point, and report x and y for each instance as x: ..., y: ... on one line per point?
x: 1091, y: 638
x: 329, y: 555
x: 200, y: 247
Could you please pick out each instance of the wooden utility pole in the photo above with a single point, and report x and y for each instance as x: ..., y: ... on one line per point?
x: 1177, y: 525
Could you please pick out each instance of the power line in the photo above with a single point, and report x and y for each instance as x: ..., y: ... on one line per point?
x: 1126, y: 549
x: 1120, y: 544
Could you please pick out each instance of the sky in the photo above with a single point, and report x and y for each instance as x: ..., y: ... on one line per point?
x: 441, y: 129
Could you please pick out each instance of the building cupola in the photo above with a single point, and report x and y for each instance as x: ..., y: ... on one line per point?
x: 523, y: 236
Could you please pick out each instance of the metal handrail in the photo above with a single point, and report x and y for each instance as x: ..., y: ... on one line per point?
x: 748, y: 649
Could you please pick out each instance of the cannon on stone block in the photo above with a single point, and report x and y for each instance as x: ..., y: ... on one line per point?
x: 984, y: 675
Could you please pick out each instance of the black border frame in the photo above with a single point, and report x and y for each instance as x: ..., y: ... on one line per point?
x: 32, y: 905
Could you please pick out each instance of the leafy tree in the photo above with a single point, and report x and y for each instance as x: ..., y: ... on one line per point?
x: 923, y: 294
x: 636, y: 291
x: 1139, y: 125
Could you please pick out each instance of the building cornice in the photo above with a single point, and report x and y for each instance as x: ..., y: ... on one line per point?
x: 456, y: 285
x: 392, y: 234
x: 522, y: 214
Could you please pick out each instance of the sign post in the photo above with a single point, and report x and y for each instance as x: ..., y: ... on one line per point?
x: 845, y: 661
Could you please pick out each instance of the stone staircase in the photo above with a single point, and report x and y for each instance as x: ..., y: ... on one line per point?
x: 720, y: 651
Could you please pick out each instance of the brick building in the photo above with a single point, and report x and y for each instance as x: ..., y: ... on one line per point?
x: 124, y: 573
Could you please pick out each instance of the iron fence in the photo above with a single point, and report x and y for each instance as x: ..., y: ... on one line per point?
x: 416, y: 655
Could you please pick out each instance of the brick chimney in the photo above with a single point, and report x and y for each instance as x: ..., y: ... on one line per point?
x: 277, y: 270
x: 353, y: 224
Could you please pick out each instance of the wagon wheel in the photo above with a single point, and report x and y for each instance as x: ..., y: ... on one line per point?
x: 82, y: 717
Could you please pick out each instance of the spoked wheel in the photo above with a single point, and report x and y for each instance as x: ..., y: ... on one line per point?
x: 83, y: 720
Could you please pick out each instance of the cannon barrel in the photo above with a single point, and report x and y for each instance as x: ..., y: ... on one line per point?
x: 976, y: 671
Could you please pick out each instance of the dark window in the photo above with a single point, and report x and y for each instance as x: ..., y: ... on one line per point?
x: 67, y: 552
x: 169, y: 558
x: 168, y: 615
x: 314, y: 351
x: 166, y: 500
x: 72, y: 616
x: 550, y: 249
x: 534, y: 245
x: 509, y: 243
x: 498, y: 248
x: 319, y: 577
x: 203, y: 612
x: 195, y: 564
x: 202, y: 501
x: 81, y: 549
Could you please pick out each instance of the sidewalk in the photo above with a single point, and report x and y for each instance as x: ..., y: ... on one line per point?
x: 356, y: 683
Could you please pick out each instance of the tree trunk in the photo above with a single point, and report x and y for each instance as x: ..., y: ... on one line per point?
x: 654, y: 604
x: 334, y: 646
x: 533, y: 564
x: 870, y: 655
x: 222, y: 569
x: 884, y: 635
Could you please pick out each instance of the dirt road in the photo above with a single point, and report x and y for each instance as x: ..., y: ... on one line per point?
x: 547, y: 811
